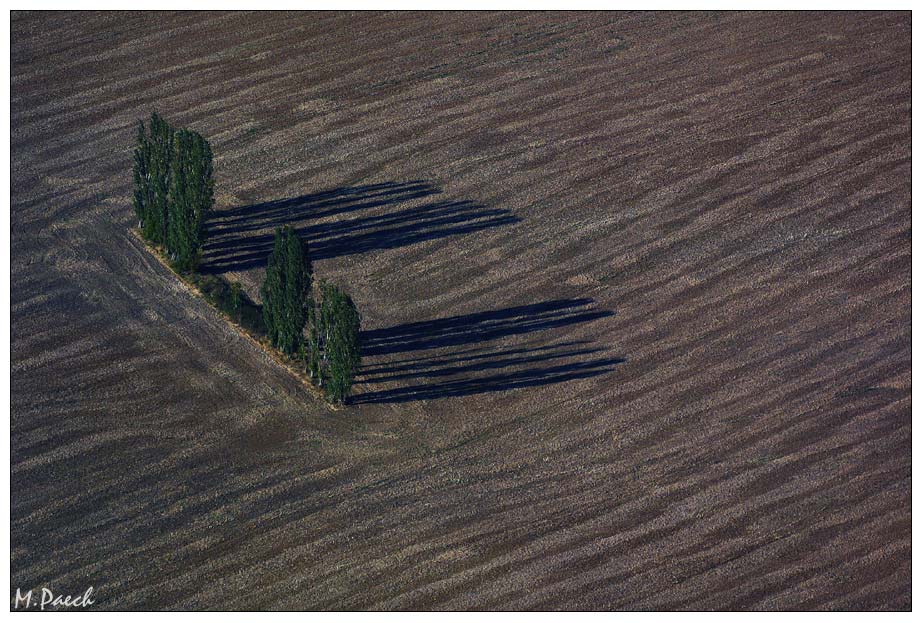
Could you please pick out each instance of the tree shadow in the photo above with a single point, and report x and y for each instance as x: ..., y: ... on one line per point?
x: 455, y: 356
x: 483, y: 365
x: 242, y: 238
x: 480, y: 326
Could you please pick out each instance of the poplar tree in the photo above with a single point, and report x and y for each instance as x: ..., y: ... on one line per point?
x: 191, y: 198
x: 286, y: 291
x: 271, y: 290
x: 159, y: 161
x: 204, y: 188
x: 339, y: 324
x: 311, y: 353
x: 179, y: 240
x: 143, y: 195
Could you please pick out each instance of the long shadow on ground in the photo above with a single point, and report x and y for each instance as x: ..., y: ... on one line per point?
x: 482, y: 365
x: 238, y: 238
x: 480, y: 326
x: 358, y: 219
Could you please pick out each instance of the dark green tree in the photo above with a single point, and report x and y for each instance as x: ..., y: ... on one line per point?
x: 159, y: 157
x: 272, y: 289
x: 311, y: 354
x: 286, y: 291
x: 204, y: 184
x: 143, y: 195
x: 190, y: 200
x: 339, y: 323
x: 180, y: 240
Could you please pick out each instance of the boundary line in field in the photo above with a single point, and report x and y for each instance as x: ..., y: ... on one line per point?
x: 268, y: 350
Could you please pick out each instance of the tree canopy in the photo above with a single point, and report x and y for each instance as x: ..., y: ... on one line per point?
x: 191, y: 198
x: 174, y: 189
x: 340, y: 322
x: 286, y: 291
x: 152, y: 173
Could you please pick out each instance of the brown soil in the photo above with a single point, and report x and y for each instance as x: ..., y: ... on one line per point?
x: 636, y: 290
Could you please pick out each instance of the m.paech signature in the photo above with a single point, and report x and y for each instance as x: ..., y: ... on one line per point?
x: 50, y: 600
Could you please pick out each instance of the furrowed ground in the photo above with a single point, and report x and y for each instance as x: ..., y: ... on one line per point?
x: 635, y: 291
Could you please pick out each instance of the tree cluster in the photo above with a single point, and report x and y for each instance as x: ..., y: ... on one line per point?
x: 174, y: 192
x: 174, y: 189
x: 331, y: 353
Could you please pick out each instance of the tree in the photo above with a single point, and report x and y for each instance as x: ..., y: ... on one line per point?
x: 190, y: 199
x: 143, y: 196
x: 179, y: 240
x: 339, y: 322
x: 271, y: 291
x: 286, y: 291
x: 203, y: 190
x: 311, y: 353
x: 158, y: 154
x: 174, y: 189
